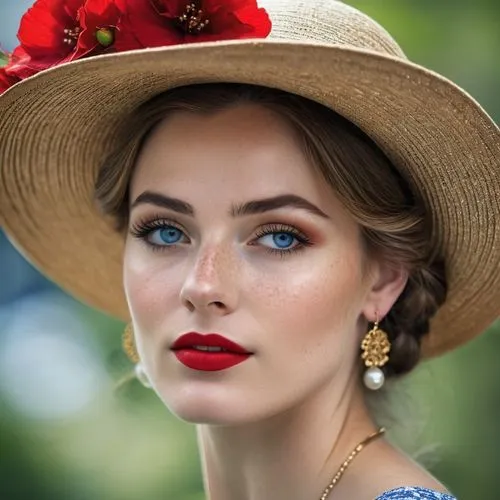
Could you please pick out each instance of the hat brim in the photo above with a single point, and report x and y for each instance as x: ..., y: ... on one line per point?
x: 57, y: 127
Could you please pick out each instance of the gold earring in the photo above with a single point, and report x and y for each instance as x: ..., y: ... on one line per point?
x: 128, y: 344
x: 130, y: 349
x: 375, y: 347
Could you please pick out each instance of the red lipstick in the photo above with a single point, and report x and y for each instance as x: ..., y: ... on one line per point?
x: 209, y: 353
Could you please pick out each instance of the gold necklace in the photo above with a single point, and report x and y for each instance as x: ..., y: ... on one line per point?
x: 348, y: 461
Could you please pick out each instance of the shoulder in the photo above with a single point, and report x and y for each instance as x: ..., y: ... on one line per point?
x: 414, y: 493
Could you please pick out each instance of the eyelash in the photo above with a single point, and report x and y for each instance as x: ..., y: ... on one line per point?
x: 144, y: 228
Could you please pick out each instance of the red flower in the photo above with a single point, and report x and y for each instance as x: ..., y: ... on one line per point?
x: 49, y: 32
x: 101, y: 28
x: 44, y: 41
x: 155, y: 23
x: 57, y: 31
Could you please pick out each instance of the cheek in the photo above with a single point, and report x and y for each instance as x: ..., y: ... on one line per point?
x: 315, y: 307
x: 150, y: 287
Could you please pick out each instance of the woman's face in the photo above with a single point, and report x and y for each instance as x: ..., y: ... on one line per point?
x: 233, y: 232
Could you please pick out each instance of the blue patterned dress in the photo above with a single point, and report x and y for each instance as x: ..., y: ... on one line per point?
x: 414, y: 493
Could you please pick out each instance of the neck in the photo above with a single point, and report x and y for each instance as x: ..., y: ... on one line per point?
x: 290, y: 456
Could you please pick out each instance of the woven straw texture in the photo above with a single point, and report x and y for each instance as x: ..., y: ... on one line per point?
x: 57, y: 127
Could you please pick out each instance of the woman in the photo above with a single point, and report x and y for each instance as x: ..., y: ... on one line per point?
x: 285, y: 222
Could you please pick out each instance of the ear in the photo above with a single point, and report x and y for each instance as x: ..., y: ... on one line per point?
x: 387, y: 282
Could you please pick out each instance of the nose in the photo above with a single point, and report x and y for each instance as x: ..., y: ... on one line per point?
x: 211, y: 284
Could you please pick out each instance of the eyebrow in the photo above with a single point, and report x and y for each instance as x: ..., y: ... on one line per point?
x: 249, y: 208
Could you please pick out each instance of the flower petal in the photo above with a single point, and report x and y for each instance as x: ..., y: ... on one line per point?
x: 149, y: 24
x: 257, y: 19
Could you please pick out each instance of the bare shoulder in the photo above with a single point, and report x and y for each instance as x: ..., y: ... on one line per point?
x: 383, y: 468
x: 398, y: 469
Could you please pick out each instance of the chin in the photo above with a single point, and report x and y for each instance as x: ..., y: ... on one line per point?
x: 211, y: 408
x: 207, y: 418
x: 210, y: 413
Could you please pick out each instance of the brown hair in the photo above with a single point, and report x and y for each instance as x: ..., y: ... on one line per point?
x: 394, y: 222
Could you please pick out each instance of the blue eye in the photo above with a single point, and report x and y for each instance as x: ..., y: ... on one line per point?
x: 159, y: 233
x: 164, y: 236
x: 282, y: 240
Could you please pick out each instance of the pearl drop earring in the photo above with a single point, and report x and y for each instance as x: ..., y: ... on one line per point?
x: 142, y: 376
x: 375, y: 347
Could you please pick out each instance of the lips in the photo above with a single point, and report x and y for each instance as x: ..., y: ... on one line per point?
x: 210, y: 352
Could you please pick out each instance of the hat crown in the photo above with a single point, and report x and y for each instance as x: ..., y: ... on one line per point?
x: 328, y: 21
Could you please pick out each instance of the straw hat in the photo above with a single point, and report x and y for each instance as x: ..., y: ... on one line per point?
x: 57, y: 126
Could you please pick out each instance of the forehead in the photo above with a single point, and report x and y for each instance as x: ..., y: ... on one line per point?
x: 245, y: 149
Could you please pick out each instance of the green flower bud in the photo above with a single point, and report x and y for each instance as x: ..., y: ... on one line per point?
x: 105, y: 36
x: 4, y: 59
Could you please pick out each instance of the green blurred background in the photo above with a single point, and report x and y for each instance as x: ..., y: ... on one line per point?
x: 70, y: 430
